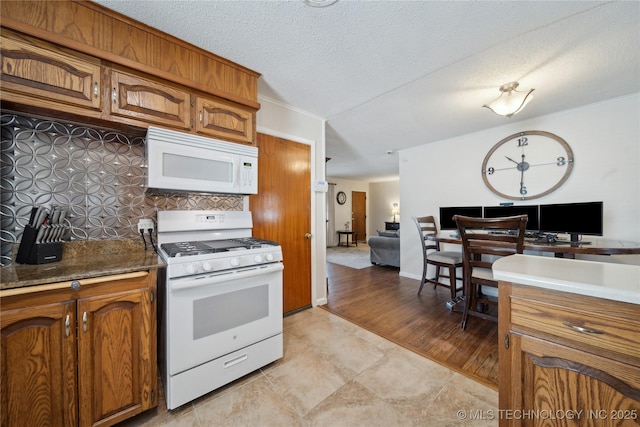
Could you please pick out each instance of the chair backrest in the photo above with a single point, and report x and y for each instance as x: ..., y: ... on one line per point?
x: 427, y: 227
x: 492, y: 237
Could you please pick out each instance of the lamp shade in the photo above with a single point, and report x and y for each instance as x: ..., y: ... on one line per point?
x: 395, y: 210
x: 510, y: 100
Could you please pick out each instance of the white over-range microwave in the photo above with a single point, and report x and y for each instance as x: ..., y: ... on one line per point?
x: 178, y: 161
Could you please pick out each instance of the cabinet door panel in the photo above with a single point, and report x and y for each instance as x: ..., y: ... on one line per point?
x: 221, y: 120
x: 555, y: 377
x: 38, y: 366
x: 141, y: 99
x: 111, y: 345
x: 47, y: 75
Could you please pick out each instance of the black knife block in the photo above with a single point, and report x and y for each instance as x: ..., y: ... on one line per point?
x: 31, y: 252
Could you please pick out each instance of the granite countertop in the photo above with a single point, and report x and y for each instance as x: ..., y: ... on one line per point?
x: 618, y: 282
x: 81, y: 260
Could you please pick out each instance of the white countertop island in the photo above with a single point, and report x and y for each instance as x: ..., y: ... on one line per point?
x: 618, y: 282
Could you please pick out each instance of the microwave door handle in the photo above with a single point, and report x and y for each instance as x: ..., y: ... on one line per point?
x: 187, y: 283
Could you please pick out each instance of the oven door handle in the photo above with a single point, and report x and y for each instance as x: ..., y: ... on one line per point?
x: 186, y: 283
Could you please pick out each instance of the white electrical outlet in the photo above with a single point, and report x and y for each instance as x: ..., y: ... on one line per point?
x: 145, y: 224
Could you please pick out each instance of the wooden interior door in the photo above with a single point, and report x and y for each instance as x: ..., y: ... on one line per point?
x: 282, y: 212
x: 359, y: 213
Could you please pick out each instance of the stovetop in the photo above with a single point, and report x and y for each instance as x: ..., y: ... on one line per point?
x: 182, y: 249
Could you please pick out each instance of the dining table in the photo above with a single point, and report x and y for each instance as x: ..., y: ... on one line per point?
x: 561, y: 248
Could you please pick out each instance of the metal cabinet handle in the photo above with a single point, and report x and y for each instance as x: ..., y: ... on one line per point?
x: 200, y: 116
x: 75, y: 285
x: 115, y: 95
x: 67, y: 326
x: 95, y: 89
x: 84, y: 322
x: 582, y: 329
x: 307, y: 235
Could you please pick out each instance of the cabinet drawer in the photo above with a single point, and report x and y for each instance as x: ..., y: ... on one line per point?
x: 578, y: 320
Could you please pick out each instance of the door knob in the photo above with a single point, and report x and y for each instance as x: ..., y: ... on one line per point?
x: 307, y: 235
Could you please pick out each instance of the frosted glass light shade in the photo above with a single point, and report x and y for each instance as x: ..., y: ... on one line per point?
x: 510, y: 100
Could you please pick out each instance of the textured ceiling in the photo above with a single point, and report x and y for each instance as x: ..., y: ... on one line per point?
x: 389, y: 75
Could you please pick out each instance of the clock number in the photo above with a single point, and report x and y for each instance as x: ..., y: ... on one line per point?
x: 561, y: 161
x: 490, y: 171
x: 523, y: 190
x: 524, y: 141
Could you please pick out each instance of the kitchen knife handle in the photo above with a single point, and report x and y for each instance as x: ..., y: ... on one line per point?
x: 32, y: 217
x: 40, y: 234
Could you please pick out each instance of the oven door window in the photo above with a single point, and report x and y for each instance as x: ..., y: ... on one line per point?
x: 219, y: 313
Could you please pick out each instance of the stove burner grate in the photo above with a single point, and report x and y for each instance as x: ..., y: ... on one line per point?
x: 181, y: 249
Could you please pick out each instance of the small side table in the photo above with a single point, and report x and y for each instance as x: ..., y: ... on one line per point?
x: 391, y: 226
x: 353, y: 234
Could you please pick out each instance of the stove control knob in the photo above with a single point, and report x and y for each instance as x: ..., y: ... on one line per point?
x: 258, y: 258
x: 191, y: 268
x: 206, y: 266
x: 269, y: 257
x: 234, y: 262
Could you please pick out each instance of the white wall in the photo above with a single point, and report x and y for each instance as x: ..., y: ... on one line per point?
x: 382, y: 196
x: 343, y: 212
x: 287, y: 122
x: 604, y: 137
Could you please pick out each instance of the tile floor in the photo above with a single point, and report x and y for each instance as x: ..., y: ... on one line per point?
x: 337, y: 374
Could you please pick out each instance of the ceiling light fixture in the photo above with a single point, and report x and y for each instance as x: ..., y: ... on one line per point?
x: 510, y: 100
x: 319, y: 3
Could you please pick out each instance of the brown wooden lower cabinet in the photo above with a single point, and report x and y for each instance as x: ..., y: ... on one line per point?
x: 567, y: 359
x: 82, y: 357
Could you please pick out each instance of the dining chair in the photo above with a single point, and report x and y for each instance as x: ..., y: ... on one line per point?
x: 432, y: 255
x: 485, y: 240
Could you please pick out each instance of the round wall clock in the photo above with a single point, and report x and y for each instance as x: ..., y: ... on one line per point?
x: 527, y: 165
x: 341, y: 197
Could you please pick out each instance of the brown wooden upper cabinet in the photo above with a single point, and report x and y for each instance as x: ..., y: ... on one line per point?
x: 144, y: 100
x: 93, y: 63
x: 43, y: 76
x: 222, y: 120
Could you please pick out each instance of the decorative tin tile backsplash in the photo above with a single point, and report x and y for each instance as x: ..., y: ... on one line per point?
x: 98, y: 175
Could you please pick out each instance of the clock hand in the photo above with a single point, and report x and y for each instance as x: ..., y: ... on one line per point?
x: 523, y: 189
x: 545, y: 164
x: 521, y: 166
x: 510, y: 159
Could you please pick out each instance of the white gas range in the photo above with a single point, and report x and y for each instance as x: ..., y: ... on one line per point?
x: 222, y: 306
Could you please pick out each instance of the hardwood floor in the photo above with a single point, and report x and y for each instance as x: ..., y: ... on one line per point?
x: 379, y: 300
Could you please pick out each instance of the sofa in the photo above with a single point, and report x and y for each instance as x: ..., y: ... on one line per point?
x: 385, y: 248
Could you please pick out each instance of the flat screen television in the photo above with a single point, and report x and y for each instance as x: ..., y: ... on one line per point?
x: 447, y: 213
x: 572, y: 218
x: 500, y: 211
